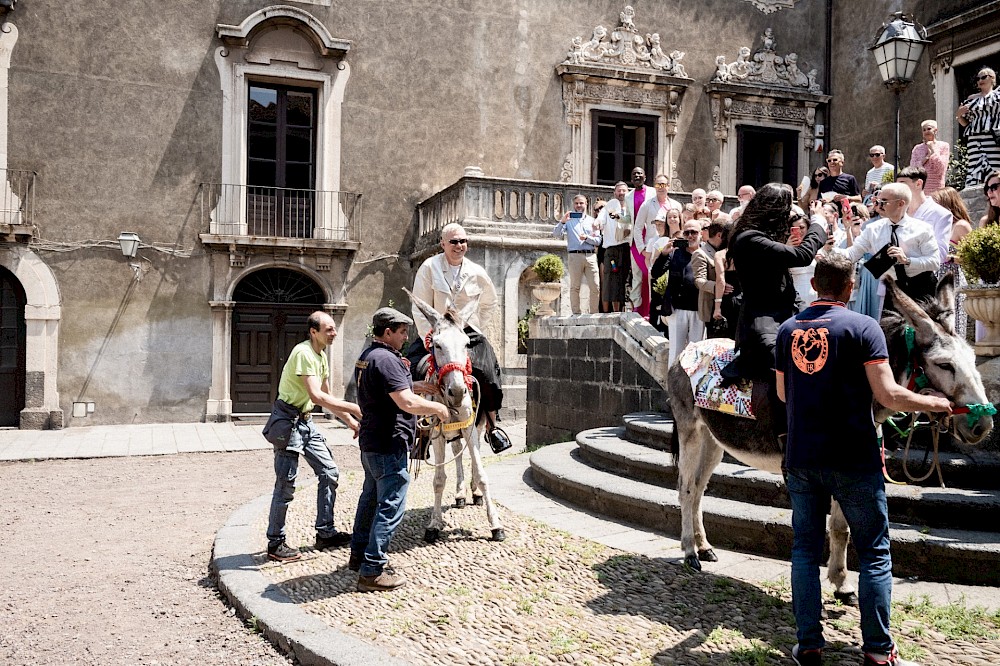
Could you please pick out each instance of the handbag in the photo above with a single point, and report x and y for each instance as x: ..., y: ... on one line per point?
x: 498, y: 440
x: 283, y: 419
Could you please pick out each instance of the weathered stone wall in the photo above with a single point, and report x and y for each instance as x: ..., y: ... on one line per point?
x: 119, y: 112
x: 588, y: 371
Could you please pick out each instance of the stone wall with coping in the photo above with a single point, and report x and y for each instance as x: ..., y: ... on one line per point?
x: 587, y: 371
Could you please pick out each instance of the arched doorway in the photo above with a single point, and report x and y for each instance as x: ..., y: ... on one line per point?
x: 269, y: 318
x: 13, y: 334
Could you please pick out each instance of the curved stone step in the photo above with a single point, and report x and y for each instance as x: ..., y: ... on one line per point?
x: 917, y: 505
x: 951, y: 555
x: 976, y: 468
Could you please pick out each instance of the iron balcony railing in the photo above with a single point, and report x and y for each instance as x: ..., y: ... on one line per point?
x: 280, y: 212
x: 17, y: 197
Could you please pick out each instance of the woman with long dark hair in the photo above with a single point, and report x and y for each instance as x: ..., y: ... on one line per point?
x: 758, y: 249
x: 991, y: 188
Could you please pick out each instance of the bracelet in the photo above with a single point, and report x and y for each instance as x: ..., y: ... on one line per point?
x: 718, y: 300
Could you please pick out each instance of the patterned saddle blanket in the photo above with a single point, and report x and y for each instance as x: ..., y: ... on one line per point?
x: 703, y: 362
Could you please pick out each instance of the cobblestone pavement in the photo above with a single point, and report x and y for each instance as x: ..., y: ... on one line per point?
x: 545, y: 596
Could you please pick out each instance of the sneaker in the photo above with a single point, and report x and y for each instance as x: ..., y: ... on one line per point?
x: 354, y: 562
x: 283, y: 553
x: 891, y: 659
x: 807, y: 657
x: 335, y: 540
x: 387, y: 580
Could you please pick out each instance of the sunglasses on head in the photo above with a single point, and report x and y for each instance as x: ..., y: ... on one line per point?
x: 458, y: 241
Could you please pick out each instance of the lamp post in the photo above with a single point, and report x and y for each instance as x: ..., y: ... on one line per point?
x: 129, y: 243
x: 898, y: 48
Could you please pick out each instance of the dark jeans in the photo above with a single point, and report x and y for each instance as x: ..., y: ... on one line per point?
x: 380, y: 508
x: 862, y: 498
x: 308, y: 441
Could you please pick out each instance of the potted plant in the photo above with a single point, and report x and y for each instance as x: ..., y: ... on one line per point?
x: 549, y: 270
x: 979, y: 257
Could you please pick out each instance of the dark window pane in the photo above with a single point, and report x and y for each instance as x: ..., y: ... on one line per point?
x: 261, y: 142
x: 263, y: 104
x: 605, y: 137
x: 261, y: 172
x: 298, y: 176
x: 300, y: 108
x: 298, y: 145
x: 606, y: 168
x: 629, y: 139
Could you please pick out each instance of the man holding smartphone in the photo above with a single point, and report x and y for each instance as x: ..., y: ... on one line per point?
x: 582, y: 240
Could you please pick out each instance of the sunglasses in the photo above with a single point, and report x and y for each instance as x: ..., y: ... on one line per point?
x: 993, y: 188
x: 661, y: 186
x: 882, y: 202
x: 690, y: 232
x: 875, y: 154
x: 833, y: 161
x: 713, y: 199
x: 817, y: 176
x: 982, y: 77
x: 795, y: 218
x: 458, y: 241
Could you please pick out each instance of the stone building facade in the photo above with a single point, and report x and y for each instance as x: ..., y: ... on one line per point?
x: 280, y: 157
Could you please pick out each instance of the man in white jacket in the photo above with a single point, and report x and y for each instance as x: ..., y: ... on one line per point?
x: 644, y: 233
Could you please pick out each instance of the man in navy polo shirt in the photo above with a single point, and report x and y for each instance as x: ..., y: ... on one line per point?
x: 828, y: 356
x: 388, y: 420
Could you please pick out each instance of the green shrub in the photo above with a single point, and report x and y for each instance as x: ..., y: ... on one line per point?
x: 549, y: 268
x: 958, y: 166
x: 979, y: 255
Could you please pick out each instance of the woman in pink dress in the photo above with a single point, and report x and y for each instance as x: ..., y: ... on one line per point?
x: 932, y: 155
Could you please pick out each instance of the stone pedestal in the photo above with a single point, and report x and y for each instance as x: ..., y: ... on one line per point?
x: 989, y: 369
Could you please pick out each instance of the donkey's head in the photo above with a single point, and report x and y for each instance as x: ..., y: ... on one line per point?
x: 450, y: 350
x: 948, y: 361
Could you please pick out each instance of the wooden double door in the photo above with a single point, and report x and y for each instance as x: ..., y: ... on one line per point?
x: 13, y: 337
x: 263, y: 337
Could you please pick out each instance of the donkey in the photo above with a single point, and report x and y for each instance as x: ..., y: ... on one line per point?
x: 450, y: 354
x: 946, y: 360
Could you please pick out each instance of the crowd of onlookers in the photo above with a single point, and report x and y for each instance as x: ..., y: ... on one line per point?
x: 643, y: 250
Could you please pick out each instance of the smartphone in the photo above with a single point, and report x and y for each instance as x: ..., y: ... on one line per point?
x: 679, y: 242
x: 575, y: 215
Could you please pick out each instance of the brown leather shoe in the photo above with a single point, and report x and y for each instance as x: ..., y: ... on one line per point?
x: 387, y: 580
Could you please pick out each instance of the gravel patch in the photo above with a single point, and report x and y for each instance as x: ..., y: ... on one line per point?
x: 546, y: 597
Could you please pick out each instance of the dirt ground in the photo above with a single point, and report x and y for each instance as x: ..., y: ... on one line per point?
x: 105, y: 561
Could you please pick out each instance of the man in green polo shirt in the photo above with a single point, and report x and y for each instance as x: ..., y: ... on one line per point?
x: 304, y: 384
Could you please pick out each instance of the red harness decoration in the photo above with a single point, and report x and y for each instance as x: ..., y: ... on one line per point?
x: 433, y: 370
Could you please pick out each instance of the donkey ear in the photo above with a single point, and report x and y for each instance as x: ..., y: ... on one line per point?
x: 426, y: 310
x: 946, y: 297
x: 468, y: 312
x: 912, y: 313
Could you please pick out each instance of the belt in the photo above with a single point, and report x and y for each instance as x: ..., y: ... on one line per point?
x: 581, y: 251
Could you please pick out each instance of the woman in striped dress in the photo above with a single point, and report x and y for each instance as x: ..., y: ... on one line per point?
x: 980, y: 116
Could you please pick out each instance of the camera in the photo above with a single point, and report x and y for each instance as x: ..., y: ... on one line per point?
x: 679, y: 242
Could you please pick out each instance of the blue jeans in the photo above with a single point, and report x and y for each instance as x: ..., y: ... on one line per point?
x: 308, y: 441
x: 862, y: 498
x: 380, y: 508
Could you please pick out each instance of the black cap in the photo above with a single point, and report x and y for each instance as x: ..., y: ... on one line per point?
x: 389, y: 318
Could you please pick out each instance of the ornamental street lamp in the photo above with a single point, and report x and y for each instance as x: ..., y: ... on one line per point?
x: 898, y: 48
x: 129, y: 243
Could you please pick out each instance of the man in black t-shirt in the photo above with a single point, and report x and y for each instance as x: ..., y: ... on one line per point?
x: 830, y: 362
x: 388, y: 421
x: 843, y: 185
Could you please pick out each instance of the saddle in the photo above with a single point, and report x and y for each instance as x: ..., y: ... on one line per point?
x: 703, y: 362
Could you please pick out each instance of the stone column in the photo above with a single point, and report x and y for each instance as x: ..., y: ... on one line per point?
x: 220, y: 405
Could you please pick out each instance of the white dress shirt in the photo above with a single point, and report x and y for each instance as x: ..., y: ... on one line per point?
x: 645, y: 220
x: 916, y: 239
x: 611, y: 227
x: 940, y: 219
x: 437, y: 285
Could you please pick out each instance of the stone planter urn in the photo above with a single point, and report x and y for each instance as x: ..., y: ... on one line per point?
x: 546, y: 293
x: 983, y: 304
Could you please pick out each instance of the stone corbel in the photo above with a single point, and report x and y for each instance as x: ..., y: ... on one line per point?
x: 673, y: 112
x: 721, y: 109
x: 809, y: 136
x: 238, y: 256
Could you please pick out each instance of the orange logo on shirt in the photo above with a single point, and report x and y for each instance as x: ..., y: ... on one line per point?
x: 810, y: 349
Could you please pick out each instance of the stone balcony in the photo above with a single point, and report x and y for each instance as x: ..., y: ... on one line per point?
x: 503, y: 213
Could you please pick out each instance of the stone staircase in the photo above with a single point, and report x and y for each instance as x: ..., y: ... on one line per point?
x: 627, y: 472
x: 515, y: 395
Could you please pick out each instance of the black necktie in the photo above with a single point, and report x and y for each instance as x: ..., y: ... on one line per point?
x: 900, y: 269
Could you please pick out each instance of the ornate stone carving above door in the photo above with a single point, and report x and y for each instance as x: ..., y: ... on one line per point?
x: 625, y: 70
x: 771, y: 6
x: 762, y: 89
